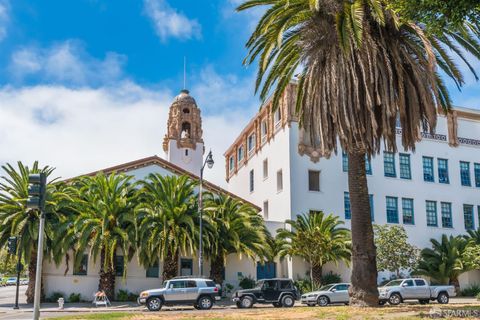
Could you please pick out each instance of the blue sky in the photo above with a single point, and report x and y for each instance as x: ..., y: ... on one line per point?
x: 94, y: 78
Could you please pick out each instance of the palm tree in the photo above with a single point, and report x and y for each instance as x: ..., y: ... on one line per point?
x: 443, y: 262
x: 166, y: 221
x: 17, y: 220
x: 318, y: 238
x: 105, y: 223
x: 473, y: 237
x: 362, y: 66
x: 237, y: 229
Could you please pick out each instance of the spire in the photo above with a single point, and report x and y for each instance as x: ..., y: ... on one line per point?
x: 184, y: 73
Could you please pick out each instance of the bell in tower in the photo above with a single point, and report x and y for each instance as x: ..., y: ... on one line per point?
x: 183, y: 143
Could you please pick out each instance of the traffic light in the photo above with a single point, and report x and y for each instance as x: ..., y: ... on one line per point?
x: 36, y: 191
x: 12, y: 245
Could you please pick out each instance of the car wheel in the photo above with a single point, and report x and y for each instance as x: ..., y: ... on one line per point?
x: 381, y: 302
x: 443, y: 298
x: 323, y: 301
x: 395, y: 299
x: 154, y: 304
x: 288, y: 301
x: 277, y: 305
x: 205, y: 303
x: 423, y: 301
x: 246, y: 302
x: 239, y: 304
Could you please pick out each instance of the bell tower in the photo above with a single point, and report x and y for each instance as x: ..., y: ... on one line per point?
x: 183, y: 143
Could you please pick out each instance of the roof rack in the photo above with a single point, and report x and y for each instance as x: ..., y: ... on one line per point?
x: 189, y: 277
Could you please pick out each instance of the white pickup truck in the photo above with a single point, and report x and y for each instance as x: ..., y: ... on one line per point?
x: 397, y: 291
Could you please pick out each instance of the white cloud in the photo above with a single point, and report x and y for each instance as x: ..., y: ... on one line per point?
x: 170, y: 23
x: 4, y: 18
x: 65, y: 63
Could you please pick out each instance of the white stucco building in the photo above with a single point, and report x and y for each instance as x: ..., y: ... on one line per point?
x: 431, y: 191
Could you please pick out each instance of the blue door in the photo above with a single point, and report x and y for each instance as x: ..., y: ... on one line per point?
x: 268, y: 270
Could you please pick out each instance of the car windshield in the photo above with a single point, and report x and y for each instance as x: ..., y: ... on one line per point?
x: 259, y: 284
x: 325, y: 288
x: 394, y: 283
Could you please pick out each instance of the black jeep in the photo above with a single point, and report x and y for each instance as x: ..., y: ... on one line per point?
x: 279, y: 292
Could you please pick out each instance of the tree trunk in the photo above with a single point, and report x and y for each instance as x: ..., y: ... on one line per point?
x: 316, y: 276
x: 216, y: 269
x: 107, y: 277
x: 32, y: 269
x: 454, y: 282
x: 363, y: 291
x: 170, y: 266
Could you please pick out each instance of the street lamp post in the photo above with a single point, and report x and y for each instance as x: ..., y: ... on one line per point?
x: 209, y: 162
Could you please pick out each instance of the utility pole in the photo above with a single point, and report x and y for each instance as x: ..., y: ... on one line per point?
x: 37, y: 190
x: 209, y: 162
x: 19, y: 270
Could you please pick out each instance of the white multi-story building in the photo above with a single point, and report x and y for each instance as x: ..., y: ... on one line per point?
x: 432, y: 191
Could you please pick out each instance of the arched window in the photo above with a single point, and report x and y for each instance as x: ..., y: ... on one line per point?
x: 186, y: 129
x: 186, y: 110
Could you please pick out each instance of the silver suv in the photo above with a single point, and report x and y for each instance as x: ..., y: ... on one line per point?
x: 199, y: 292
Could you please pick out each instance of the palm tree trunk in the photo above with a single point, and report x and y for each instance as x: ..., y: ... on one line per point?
x: 454, y: 282
x: 32, y: 269
x: 363, y: 291
x: 107, y: 277
x: 170, y: 266
x: 216, y: 269
x: 316, y: 276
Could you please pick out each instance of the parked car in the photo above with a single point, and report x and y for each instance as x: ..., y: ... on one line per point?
x: 397, y: 291
x: 328, y: 294
x: 11, y: 281
x: 24, y: 282
x: 279, y: 292
x: 199, y: 292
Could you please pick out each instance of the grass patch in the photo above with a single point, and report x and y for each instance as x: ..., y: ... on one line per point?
x: 99, y: 316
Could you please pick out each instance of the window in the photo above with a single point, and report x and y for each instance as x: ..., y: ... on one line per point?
x: 186, y: 267
x: 186, y: 152
x: 368, y: 165
x: 152, y: 271
x: 372, y: 214
x: 409, y: 283
x: 177, y: 284
x: 344, y: 161
x: 476, y: 173
x: 407, y: 206
x: 389, y: 164
x: 446, y: 208
x: 231, y: 163
x: 265, y: 210
x: 277, y: 116
x: 313, y: 180
x: 119, y: 264
x: 251, y: 180
x: 269, y: 284
x: 465, y: 173
x: 264, y: 130
x: 346, y: 204
x: 279, y: 180
x: 251, y: 142
x: 419, y: 282
x: 443, y: 171
x: 210, y: 284
x: 405, y: 171
x: 190, y: 284
x: 428, y: 169
x: 468, y: 217
x: 186, y: 110
x: 431, y: 208
x: 240, y: 154
x: 265, y: 169
x: 82, y: 268
x: 285, y: 285
x: 392, y: 209
x: 341, y: 287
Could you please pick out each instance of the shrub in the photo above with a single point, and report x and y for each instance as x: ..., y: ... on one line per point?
x: 331, y: 278
x: 228, y: 289
x: 55, y: 296
x: 132, y: 296
x: 122, y: 295
x: 478, y: 296
x: 472, y: 291
x: 247, y: 283
x: 74, y: 297
x: 304, y: 285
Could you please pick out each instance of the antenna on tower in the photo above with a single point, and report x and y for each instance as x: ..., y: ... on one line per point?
x: 184, y: 72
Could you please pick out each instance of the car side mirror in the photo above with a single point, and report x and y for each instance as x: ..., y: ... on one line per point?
x: 404, y: 285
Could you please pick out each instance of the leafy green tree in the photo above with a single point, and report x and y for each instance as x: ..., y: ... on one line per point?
x: 167, y: 221
x: 318, y: 238
x: 361, y: 67
x: 105, y: 223
x: 237, y: 229
x: 473, y: 237
x: 17, y: 220
x: 394, y: 253
x: 443, y: 262
x: 471, y: 257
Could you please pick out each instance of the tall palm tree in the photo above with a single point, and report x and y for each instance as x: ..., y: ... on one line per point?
x: 361, y: 66
x: 318, y: 238
x: 237, y: 229
x: 17, y: 220
x: 166, y: 221
x: 443, y: 262
x: 105, y: 223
